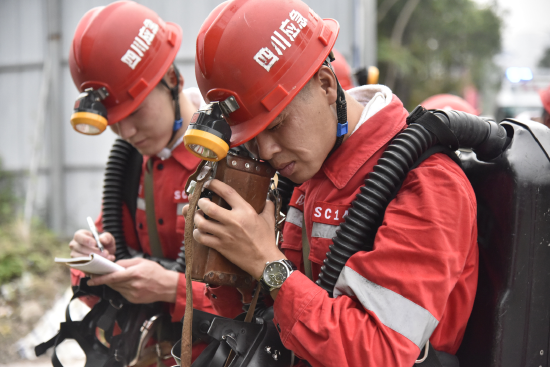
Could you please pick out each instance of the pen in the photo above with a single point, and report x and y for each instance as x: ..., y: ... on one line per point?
x: 94, y: 232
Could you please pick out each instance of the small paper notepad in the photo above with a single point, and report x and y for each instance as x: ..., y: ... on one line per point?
x: 93, y: 264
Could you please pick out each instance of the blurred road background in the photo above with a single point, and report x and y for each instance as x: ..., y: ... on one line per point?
x: 51, y: 177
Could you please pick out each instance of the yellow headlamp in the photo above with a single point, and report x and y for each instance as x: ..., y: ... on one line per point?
x: 90, y: 115
x: 208, y: 135
x: 372, y: 75
x: 366, y: 76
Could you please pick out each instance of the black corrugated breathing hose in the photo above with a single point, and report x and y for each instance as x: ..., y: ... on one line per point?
x: 426, y: 128
x: 285, y: 188
x: 113, y: 186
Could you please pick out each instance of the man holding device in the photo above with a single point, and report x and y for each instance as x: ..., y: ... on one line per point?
x: 287, y: 107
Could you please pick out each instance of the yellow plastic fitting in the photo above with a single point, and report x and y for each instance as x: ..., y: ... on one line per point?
x: 88, y: 123
x: 205, y: 145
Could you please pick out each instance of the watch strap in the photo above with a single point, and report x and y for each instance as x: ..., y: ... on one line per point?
x: 264, y: 285
x: 289, y: 264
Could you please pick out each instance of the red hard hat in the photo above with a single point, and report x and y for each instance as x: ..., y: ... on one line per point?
x: 262, y: 53
x: 545, y: 98
x: 448, y: 102
x: 126, y: 48
x: 342, y: 70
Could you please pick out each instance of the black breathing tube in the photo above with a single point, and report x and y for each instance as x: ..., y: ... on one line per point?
x: 122, y: 157
x: 426, y: 129
x: 285, y: 188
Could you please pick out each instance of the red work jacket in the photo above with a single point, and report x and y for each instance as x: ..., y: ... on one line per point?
x: 169, y: 178
x: 418, y: 283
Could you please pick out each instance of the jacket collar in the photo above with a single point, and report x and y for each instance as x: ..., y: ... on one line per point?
x: 373, y: 134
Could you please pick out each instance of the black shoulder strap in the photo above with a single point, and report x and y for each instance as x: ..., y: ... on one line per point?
x: 97, y: 354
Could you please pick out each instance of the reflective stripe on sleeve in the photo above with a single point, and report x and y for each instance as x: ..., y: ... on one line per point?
x: 141, y: 203
x: 294, y: 216
x: 322, y: 230
x: 392, y: 309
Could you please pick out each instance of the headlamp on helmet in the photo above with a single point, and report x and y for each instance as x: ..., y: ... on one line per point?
x: 90, y: 115
x: 208, y: 135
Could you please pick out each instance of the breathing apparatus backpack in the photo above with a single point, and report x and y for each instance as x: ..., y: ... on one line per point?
x: 510, y: 322
x: 137, y: 322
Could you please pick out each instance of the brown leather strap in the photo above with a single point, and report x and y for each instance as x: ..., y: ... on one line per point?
x: 154, y: 240
x: 187, y: 330
x: 250, y: 312
x: 306, y: 250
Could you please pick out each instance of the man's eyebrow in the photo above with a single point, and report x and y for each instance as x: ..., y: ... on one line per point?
x: 279, y: 118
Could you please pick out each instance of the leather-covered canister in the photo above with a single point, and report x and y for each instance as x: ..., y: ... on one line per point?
x: 250, y: 178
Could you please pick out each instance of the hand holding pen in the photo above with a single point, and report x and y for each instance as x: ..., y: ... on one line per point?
x: 90, y: 241
x: 93, y: 229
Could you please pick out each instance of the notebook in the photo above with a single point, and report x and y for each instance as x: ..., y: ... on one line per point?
x: 93, y: 264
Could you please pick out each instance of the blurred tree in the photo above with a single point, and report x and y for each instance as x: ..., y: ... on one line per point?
x: 17, y: 253
x: 544, y: 62
x: 436, y: 46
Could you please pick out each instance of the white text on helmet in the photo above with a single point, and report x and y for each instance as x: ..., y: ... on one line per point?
x: 141, y: 43
x: 265, y: 57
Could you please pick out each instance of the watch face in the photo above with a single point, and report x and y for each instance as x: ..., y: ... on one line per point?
x: 275, y: 274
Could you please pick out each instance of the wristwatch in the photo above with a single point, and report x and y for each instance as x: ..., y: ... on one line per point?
x: 275, y: 273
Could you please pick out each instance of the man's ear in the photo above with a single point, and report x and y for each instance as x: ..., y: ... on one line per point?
x: 180, y: 86
x: 172, y: 80
x: 328, y: 83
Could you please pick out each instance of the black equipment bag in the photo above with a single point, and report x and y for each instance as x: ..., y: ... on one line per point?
x: 510, y: 322
x: 255, y: 344
x: 110, y: 310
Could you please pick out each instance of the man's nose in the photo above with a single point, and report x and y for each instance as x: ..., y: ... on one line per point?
x: 266, y: 146
x: 125, y: 129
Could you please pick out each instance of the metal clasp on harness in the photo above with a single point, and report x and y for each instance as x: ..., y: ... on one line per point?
x: 146, y: 328
x: 426, y: 348
x: 116, y: 306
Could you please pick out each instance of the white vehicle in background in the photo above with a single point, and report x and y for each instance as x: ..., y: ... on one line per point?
x: 518, y: 96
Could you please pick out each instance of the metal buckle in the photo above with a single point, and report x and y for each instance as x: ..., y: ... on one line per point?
x: 426, y: 348
x: 224, y: 337
x: 117, y: 306
x: 145, y: 328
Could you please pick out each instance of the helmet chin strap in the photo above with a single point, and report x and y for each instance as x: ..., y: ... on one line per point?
x: 166, y: 152
x: 341, y: 108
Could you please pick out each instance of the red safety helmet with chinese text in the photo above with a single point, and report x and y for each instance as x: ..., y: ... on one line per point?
x: 448, y: 102
x: 254, y: 56
x: 119, y: 54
